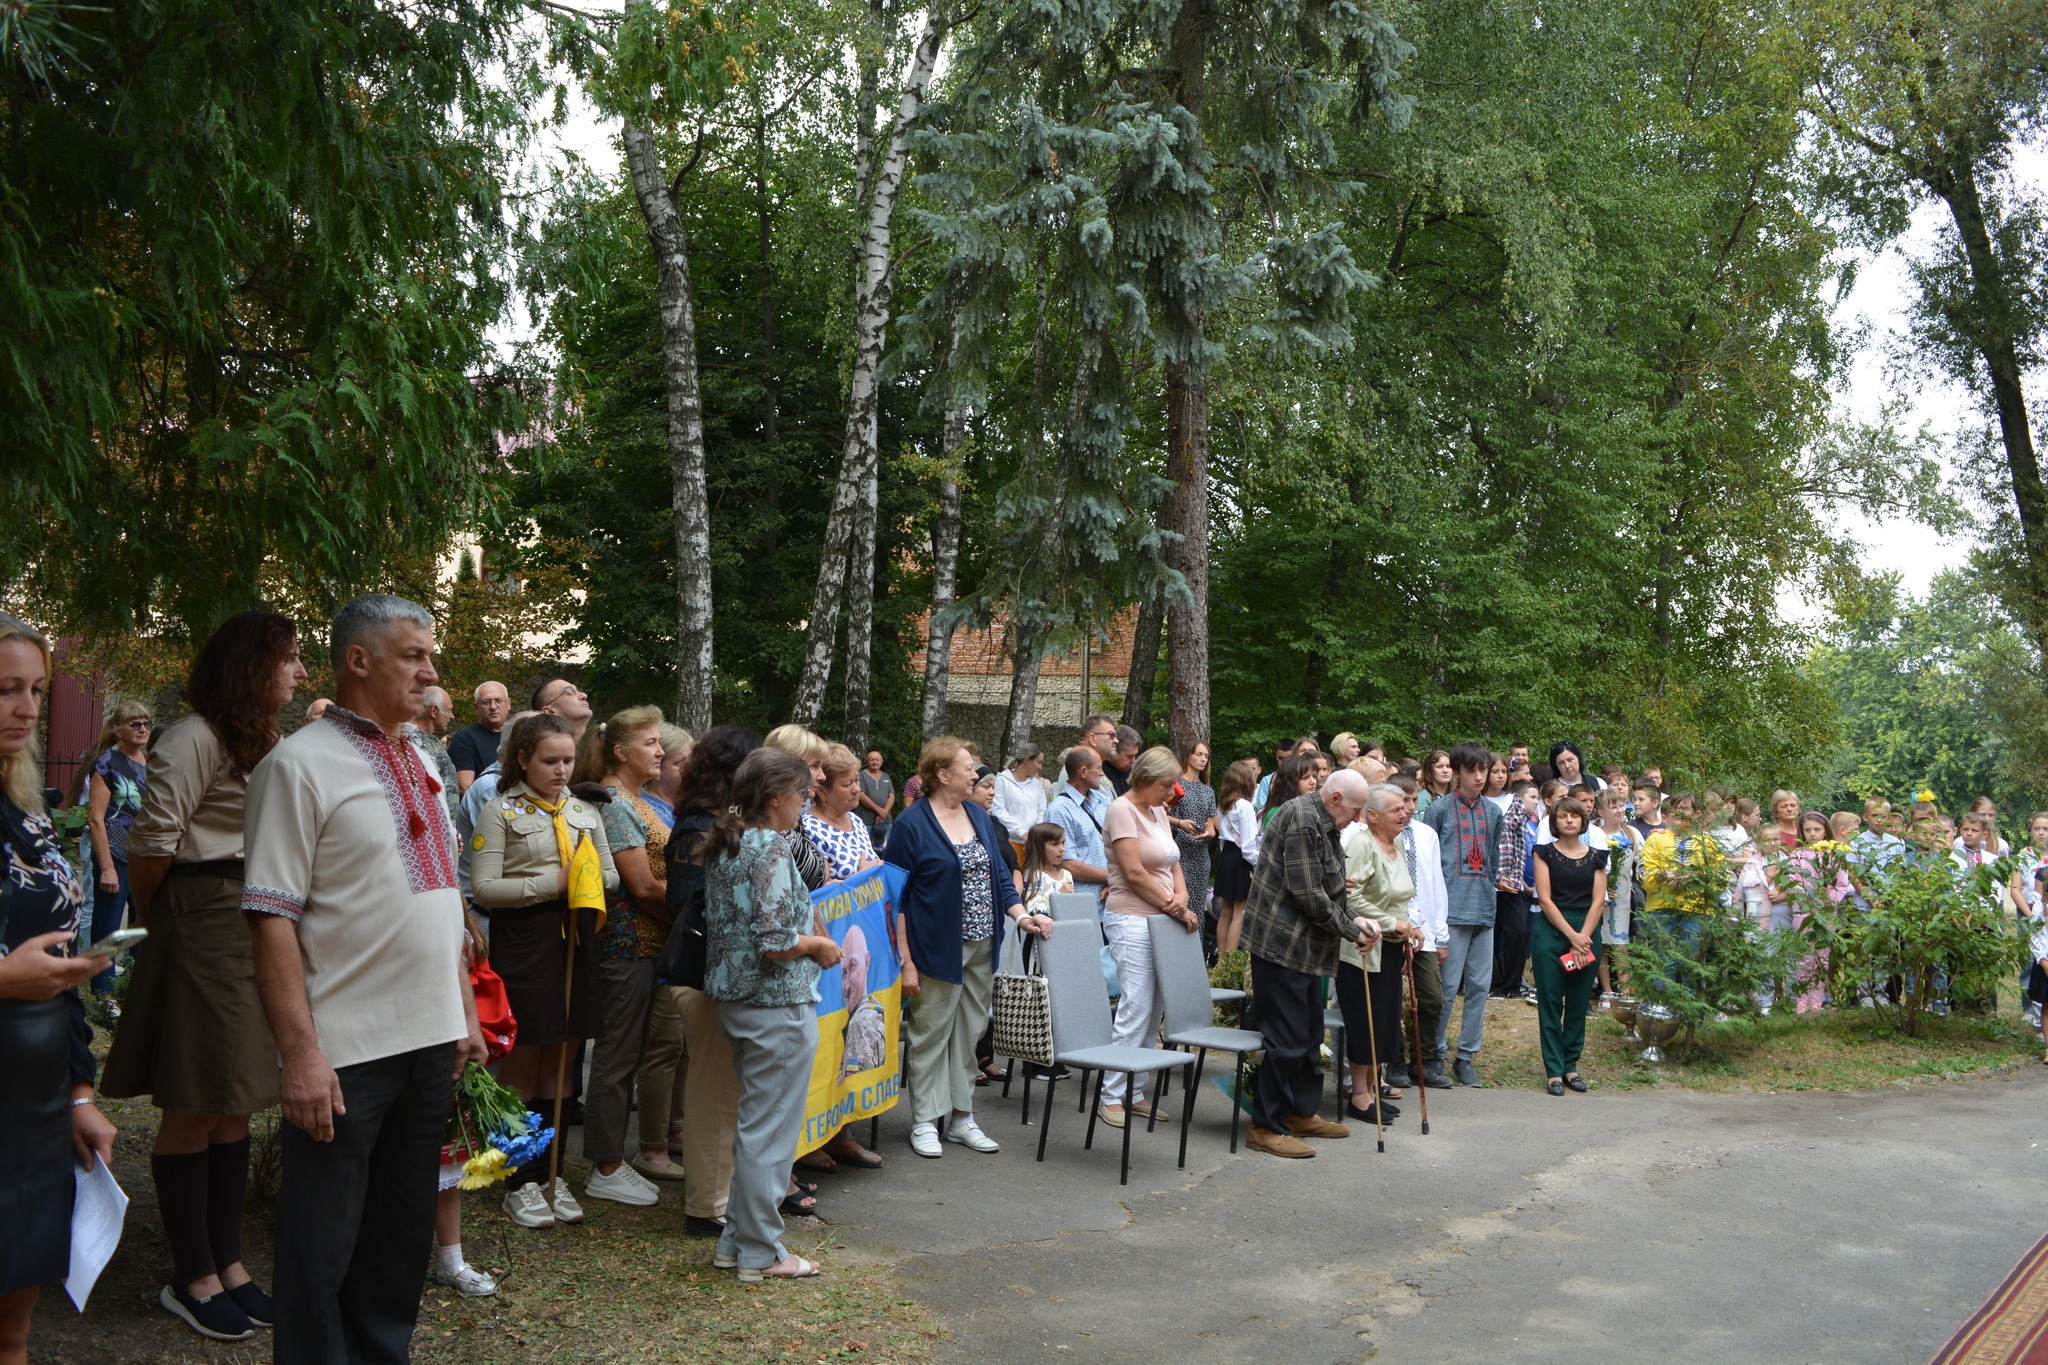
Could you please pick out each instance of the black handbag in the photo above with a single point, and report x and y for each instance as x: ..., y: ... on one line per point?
x: 684, y: 956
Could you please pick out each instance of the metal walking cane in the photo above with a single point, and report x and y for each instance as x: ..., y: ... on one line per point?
x: 1415, y: 1027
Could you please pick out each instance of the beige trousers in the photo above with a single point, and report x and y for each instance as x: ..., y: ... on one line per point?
x: 663, y: 1064
x: 711, y: 1105
x: 946, y: 1021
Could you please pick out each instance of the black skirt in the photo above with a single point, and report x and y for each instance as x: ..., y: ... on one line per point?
x: 530, y: 955
x: 1233, y: 873
x: 36, y: 1184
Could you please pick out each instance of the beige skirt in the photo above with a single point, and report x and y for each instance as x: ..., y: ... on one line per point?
x: 193, y: 1035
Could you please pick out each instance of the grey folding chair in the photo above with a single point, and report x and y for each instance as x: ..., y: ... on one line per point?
x: 1191, y: 1019
x: 1079, y: 909
x: 1076, y: 905
x: 1333, y: 1022
x: 1081, y: 1033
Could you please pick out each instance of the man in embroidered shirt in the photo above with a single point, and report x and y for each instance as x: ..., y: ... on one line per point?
x: 1294, y: 922
x: 1468, y: 828
x: 1080, y: 809
x: 357, y: 923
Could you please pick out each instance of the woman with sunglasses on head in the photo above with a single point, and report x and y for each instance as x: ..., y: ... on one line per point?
x: 113, y: 786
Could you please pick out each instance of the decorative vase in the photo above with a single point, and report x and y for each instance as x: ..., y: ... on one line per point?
x: 1658, y: 1025
x: 1624, y: 1012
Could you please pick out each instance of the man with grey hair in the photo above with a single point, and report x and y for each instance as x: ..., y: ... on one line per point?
x: 471, y: 808
x: 435, y: 707
x: 357, y: 927
x: 1294, y: 922
x: 475, y: 747
x: 1020, y: 796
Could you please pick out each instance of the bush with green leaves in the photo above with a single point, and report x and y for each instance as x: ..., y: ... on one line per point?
x: 1919, y: 929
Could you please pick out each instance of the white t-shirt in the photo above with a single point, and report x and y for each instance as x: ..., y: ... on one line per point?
x: 1595, y: 836
x: 1019, y: 804
x: 348, y: 838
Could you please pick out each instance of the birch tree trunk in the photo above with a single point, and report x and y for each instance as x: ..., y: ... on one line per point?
x: 860, y: 616
x: 938, y: 647
x: 689, y: 506
x: 855, y: 496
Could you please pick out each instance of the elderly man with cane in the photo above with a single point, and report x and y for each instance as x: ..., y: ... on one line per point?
x: 1294, y: 922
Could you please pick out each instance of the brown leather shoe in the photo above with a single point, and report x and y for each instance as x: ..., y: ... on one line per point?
x: 1277, y: 1144
x: 1316, y: 1126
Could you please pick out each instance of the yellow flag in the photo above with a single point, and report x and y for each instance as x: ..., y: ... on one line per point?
x: 586, y: 879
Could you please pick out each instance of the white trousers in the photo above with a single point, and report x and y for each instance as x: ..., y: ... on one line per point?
x: 1129, y: 939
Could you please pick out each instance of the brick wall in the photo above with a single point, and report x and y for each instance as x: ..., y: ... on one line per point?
x: 978, y: 688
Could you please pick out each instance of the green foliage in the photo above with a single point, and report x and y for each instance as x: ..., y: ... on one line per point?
x: 1932, y: 694
x: 1931, y: 927
x: 248, y: 257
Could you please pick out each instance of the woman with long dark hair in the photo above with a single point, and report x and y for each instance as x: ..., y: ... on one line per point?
x: 47, y: 1116
x: 193, y: 1035
x: 1193, y: 819
x: 710, y: 1090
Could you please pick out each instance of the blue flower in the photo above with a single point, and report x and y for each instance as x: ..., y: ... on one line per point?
x: 527, y: 1147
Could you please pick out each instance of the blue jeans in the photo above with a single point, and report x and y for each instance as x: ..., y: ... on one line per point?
x: 1468, y: 968
x: 109, y: 909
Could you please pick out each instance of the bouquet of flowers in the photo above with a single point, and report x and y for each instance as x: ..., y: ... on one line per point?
x: 491, y: 1132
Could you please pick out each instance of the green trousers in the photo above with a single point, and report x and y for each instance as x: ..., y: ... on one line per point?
x: 1561, y: 996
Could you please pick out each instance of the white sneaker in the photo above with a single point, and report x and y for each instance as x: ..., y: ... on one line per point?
x: 466, y: 1280
x: 567, y: 1210
x: 528, y: 1207
x: 623, y: 1186
x: 968, y: 1134
x: 924, y: 1139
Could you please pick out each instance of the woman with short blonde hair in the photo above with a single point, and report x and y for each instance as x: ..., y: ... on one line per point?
x: 1145, y: 879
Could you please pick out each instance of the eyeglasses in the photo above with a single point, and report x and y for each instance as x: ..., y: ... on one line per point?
x: 140, y: 724
x: 570, y: 690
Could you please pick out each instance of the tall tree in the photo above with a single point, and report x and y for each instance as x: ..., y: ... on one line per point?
x: 856, y: 495
x: 1924, y: 100
x: 251, y: 263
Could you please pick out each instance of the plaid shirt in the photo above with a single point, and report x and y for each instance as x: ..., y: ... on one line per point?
x: 1514, y: 854
x: 1296, y: 917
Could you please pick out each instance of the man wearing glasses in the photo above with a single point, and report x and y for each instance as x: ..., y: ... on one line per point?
x: 560, y: 697
x: 475, y: 747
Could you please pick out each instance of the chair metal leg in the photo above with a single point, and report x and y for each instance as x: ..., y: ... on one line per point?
x: 1130, y: 1088
x: 875, y: 1132
x: 1187, y: 1100
x: 1236, y: 1108
x: 1094, y: 1113
x: 1008, y: 1072
x: 1085, y: 1096
x: 1014, y: 1064
x: 1045, y: 1123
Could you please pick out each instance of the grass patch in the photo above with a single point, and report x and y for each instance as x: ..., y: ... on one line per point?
x: 624, y: 1287
x: 1834, y: 1049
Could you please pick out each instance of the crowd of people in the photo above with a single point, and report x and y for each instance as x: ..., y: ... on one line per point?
x: 342, y: 918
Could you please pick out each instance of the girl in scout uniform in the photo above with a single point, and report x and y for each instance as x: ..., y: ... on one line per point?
x: 519, y: 874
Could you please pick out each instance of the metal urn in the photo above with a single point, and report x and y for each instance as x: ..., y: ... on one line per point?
x: 1623, y: 1010
x: 1658, y: 1025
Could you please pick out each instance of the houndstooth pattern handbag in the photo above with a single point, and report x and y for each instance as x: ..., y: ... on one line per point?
x: 1023, y: 1011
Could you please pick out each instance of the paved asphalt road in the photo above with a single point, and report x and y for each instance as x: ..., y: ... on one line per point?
x: 1608, y: 1227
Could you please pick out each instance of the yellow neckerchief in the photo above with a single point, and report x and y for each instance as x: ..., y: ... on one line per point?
x: 563, y: 846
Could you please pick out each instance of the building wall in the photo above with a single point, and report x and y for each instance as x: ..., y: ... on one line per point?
x: 978, y: 689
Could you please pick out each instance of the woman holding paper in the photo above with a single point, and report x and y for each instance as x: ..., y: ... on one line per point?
x: 521, y: 856
x: 47, y: 1115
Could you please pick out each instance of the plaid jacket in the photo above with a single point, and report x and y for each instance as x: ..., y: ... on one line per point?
x: 1295, y: 917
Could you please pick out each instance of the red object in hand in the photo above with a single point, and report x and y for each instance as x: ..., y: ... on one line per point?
x: 1570, y: 959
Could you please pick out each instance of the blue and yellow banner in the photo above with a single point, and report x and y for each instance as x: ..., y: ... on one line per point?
x: 857, y: 1072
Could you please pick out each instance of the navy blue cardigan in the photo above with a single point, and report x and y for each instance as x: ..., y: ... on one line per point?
x: 931, y: 900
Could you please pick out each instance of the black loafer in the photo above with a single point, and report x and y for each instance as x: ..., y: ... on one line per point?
x: 254, y: 1303
x: 1352, y: 1111
x: 216, y: 1317
x: 1575, y: 1082
x: 693, y: 1226
x: 1555, y: 1087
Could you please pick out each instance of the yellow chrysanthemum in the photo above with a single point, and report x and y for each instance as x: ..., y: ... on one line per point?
x: 485, y: 1168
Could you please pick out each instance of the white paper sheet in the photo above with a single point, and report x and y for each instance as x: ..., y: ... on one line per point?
x: 100, y: 1208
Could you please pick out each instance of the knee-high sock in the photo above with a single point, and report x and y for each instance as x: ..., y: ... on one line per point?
x: 181, y: 1198
x: 227, y: 1187
x: 535, y: 1172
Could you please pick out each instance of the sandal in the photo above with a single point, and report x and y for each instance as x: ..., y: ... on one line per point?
x: 852, y: 1155
x: 803, y: 1186
x: 820, y: 1160
x: 800, y: 1205
x: 1389, y: 1092
x: 792, y: 1267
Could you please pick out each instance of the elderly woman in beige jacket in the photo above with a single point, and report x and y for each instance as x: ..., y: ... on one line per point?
x: 1379, y: 888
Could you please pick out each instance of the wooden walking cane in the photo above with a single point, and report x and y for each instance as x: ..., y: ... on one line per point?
x: 1415, y: 1027
x: 1379, y: 1120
